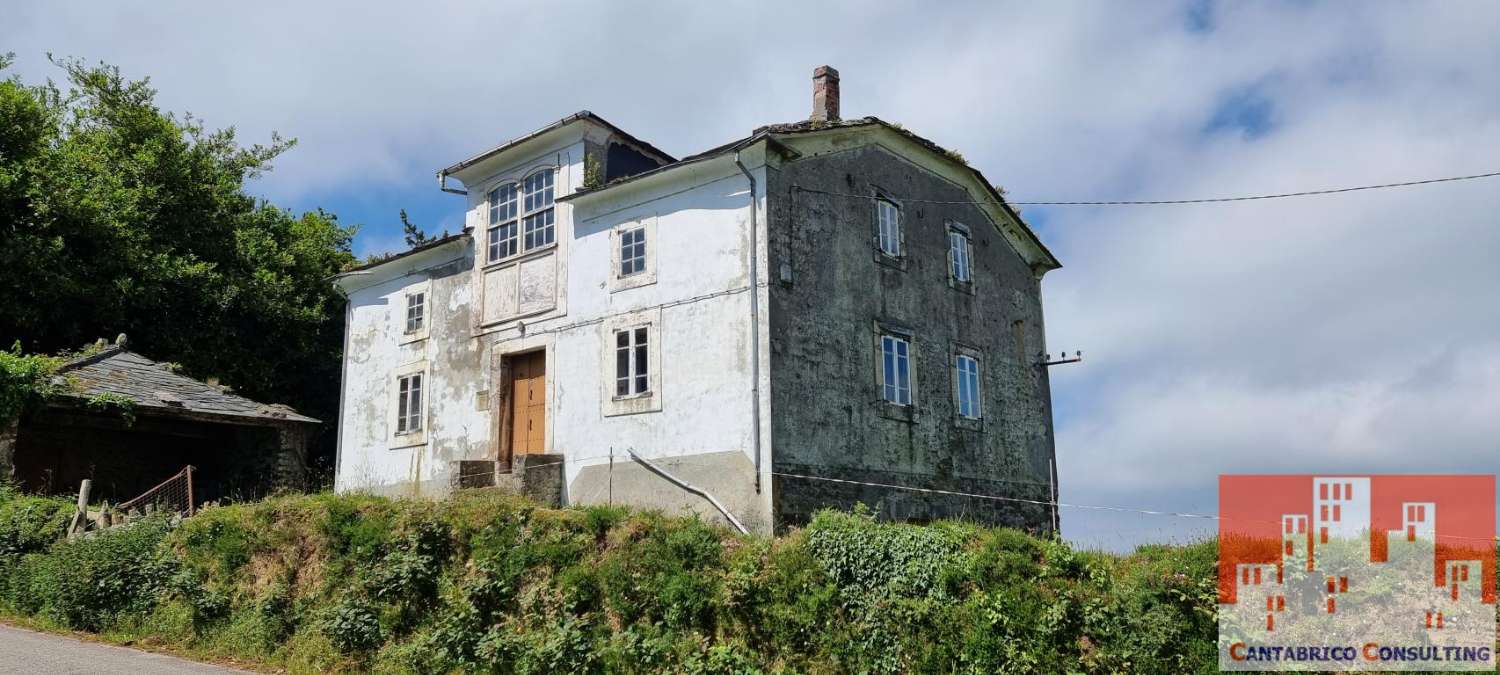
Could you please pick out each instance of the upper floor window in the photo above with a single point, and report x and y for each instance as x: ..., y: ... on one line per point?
x: 895, y: 371
x: 503, y: 235
x: 958, y: 254
x: 409, y: 404
x: 966, y: 386
x: 632, y: 363
x: 888, y: 227
x: 416, y: 311
x: 633, y: 251
x: 536, y: 216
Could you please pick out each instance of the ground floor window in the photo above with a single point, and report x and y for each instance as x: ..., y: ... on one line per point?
x: 632, y: 363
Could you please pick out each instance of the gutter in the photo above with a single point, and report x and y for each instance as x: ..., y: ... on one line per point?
x: 754, y: 317
x: 338, y: 446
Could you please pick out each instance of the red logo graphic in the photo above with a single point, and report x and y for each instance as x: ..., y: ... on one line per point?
x: 1356, y: 572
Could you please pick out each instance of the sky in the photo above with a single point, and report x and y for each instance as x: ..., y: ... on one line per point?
x: 1356, y: 333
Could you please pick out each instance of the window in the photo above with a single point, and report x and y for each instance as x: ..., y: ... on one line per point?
x: 416, y: 306
x: 958, y: 254
x: 888, y: 221
x: 895, y: 353
x: 502, y: 232
x: 632, y: 365
x: 966, y: 379
x: 537, y: 217
x: 409, y: 404
x: 633, y: 251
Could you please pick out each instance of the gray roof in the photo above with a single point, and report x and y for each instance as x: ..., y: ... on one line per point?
x: 156, y: 388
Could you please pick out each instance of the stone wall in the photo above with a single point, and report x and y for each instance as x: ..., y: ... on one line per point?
x: 833, y: 293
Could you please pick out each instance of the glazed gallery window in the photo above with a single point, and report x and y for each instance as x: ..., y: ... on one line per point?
x: 895, y: 370
x: 416, y: 309
x: 632, y: 366
x: 958, y: 254
x: 888, y: 227
x: 536, y: 213
x: 409, y: 404
x: 966, y: 386
x: 521, y: 217
x: 633, y: 251
x: 503, y: 239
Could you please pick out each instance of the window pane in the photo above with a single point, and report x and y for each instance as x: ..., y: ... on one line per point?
x: 622, y: 362
x: 888, y: 219
x: 640, y: 336
x: 401, y: 408
x: 622, y: 338
x: 640, y: 363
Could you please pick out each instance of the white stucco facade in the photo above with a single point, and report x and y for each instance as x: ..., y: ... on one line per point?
x: 567, y: 299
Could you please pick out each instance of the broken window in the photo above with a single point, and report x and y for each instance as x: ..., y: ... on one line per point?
x: 958, y: 253
x: 502, y: 232
x: 416, y: 309
x: 888, y: 224
x: 537, y: 217
x: 895, y: 380
x: 966, y: 384
x: 632, y: 367
x: 409, y: 404
x: 633, y: 251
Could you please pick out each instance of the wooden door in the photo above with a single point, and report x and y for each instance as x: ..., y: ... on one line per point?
x: 528, y: 404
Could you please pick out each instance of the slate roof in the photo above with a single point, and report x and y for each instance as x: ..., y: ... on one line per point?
x: 155, y: 388
x: 809, y: 126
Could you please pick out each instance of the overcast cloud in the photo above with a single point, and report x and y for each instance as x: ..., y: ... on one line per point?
x: 1358, y: 332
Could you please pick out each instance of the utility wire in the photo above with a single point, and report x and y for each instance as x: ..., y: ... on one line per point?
x: 1149, y: 202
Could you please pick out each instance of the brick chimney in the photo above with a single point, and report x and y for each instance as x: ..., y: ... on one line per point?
x: 825, y: 94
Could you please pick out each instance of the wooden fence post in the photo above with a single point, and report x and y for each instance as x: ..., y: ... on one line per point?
x: 192, y: 508
x: 81, y: 516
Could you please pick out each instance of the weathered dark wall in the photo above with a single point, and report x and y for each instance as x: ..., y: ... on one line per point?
x: 56, y: 449
x: 828, y: 418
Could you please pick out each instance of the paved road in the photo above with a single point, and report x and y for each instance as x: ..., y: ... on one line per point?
x: 24, y: 651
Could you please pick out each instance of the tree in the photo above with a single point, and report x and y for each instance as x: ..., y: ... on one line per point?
x: 117, y: 217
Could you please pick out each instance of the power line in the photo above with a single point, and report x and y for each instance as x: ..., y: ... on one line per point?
x: 1157, y: 202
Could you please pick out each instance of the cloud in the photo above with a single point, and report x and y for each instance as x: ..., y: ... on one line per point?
x: 1354, y: 332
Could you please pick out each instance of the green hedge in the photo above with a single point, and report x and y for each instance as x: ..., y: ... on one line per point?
x: 486, y: 582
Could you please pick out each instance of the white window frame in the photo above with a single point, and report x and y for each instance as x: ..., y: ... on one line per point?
x: 403, y: 434
x: 401, y: 311
x: 896, y: 350
x: 968, y: 377
x: 416, y: 311
x: 960, y: 255
x: 538, y: 216
x: 633, y: 344
x: 528, y: 217
x: 647, y: 275
x: 632, y: 248
x: 634, y: 400
x: 503, y: 214
x: 888, y: 231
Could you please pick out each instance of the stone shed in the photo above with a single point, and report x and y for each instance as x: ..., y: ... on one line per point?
x: 127, y: 422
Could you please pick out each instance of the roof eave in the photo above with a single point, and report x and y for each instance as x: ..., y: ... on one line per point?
x: 582, y: 115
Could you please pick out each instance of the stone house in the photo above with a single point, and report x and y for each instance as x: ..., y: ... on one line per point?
x: 818, y: 314
x: 126, y: 422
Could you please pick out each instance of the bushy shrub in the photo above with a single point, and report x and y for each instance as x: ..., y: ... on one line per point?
x: 352, y: 626
x: 86, y: 583
x: 486, y: 582
x: 31, y: 524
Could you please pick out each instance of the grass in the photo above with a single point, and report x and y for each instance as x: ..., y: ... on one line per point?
x: 490, y: 582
